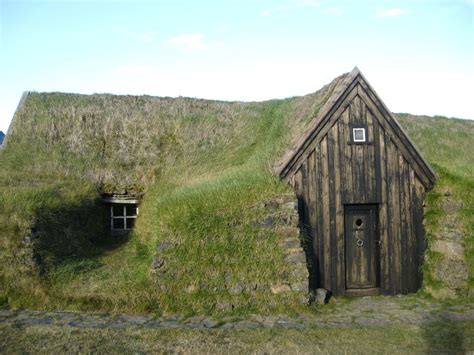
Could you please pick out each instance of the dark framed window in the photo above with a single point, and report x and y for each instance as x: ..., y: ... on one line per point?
x: 123, y: 216
x: 358, y: 134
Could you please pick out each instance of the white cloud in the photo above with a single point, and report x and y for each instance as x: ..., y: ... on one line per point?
x: 189, y: 42
x: 395, y: 12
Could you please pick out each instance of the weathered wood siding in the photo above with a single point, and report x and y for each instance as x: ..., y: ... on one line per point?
x: 337, y: 172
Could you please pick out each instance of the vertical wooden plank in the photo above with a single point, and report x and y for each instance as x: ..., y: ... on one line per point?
x: 305, y: 209
x: 297, y: 182
x: 414, y: 246
x: 311, y: 194
x: 350, y: 158
x: 418, y: 197
x: 326, y: 215
x: 395, y: 220
x: 348, y: 185
x: 320, y: 225
x: 383, y: 217
x: 361, y: 157
x: 402, y: 275
x: 377, y: 183
x: 312, y: 235
x: 331, y: 147
x: 364, y: 166
x: 340, y: 268
x: 372, y: 166
x: 410, y: 245
x: 355, y: 156
x: 392, y: 235
x: 304, y: 213
x: 404, y: 266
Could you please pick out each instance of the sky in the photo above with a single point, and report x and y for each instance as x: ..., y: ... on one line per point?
x: 418, y: 54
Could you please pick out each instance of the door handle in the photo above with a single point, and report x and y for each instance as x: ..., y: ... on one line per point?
x: 359, y: 242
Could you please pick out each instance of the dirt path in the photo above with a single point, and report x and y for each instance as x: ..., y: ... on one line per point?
x: 362, y: 312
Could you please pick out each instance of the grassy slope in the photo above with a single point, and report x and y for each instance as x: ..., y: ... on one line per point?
x: 447, y: 145
x: 206, y: 167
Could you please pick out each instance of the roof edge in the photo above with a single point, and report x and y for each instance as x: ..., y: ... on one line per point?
x: 432, y: 178
x: 10, y: 127
x: 285, y: 164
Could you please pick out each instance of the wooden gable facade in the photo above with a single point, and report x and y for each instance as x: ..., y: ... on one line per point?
x: 360, y: 183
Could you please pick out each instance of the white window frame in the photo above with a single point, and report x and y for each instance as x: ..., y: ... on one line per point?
x: 354, y: 135
x: 124, y: 216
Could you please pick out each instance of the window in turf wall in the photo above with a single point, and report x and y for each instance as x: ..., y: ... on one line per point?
x: 123, y: 212
x: 123, y: 215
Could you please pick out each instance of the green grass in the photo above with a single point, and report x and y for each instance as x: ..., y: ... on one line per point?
x: 447, y: 145
x: 205, y: 168
x: 211, y: 174
x: 442, y: 337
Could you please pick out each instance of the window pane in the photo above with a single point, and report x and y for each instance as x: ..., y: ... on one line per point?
x: 130, y: 223
x: 359, y: 134
x: 117, y: 210
x: 131, y: 210
x: 118, y: 223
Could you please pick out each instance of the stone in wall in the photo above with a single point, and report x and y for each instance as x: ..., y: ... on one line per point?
x: 283, y: 211
x: 281, y: 216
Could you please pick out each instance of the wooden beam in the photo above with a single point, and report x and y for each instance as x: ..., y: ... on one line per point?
x: 285, y: 166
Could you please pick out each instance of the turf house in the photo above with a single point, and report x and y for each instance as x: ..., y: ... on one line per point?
x: 361, y: 183
x: 182, y: 205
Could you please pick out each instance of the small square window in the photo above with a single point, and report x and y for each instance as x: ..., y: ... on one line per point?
x: 123, y: 216
x: 358, y: 134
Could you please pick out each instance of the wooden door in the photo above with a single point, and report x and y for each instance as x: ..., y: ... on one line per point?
x: 362, y: 254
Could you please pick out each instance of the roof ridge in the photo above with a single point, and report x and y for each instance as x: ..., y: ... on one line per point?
x: 292, y: 157
x: 315, y: 122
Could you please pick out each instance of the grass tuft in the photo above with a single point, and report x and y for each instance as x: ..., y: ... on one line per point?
x: 204, y: 168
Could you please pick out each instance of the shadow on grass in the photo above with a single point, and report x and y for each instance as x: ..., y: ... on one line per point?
x: 73, y: 233
x: 444, y: 337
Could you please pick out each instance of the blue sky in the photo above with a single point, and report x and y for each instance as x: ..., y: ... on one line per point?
x: 418, y: 55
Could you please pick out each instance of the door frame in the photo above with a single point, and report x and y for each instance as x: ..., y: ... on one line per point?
x: 374, y: 208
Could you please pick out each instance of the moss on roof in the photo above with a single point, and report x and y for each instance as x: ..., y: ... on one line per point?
x: 204, y: 166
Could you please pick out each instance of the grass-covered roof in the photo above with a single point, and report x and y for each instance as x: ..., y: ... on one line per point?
x: 204, y: 168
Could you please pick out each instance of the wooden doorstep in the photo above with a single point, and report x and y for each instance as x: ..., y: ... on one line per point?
x: 358, y: 292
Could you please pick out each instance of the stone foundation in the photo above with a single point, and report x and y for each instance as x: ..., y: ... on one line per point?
x: 283, y: 212
x: 280, y: 217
